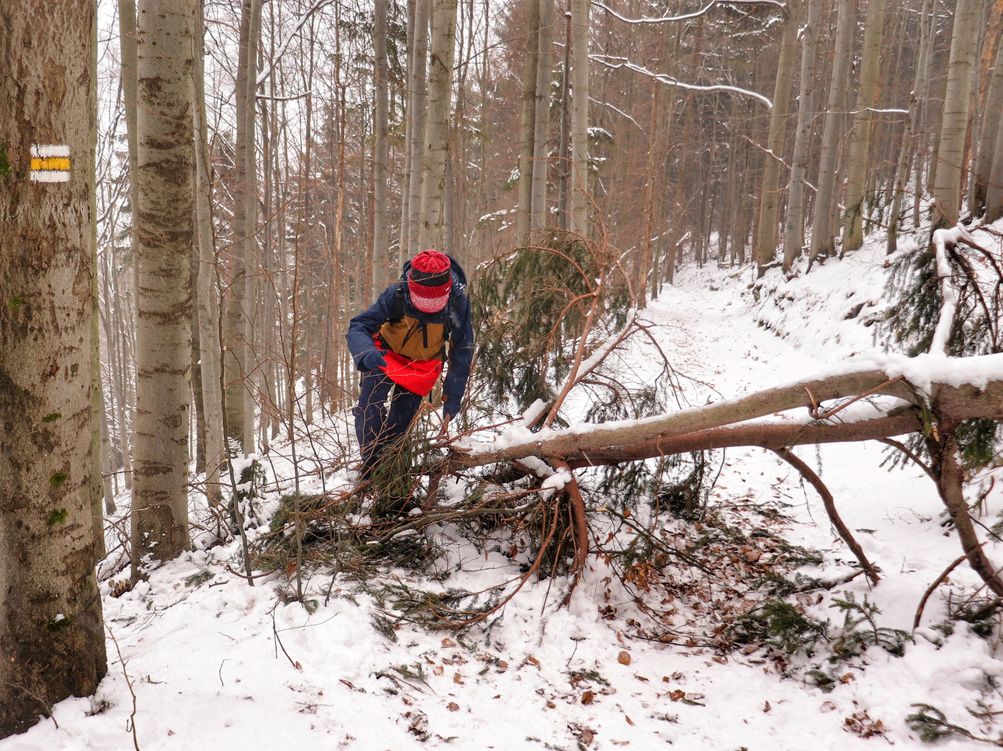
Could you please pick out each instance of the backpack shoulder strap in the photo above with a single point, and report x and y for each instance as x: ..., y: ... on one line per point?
x: 397, y: 308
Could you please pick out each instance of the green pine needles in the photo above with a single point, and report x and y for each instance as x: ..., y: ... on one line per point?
x: 532, y: 305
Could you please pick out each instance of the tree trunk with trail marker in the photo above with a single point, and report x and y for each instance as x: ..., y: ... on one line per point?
x: 165, y: 231
x: 51, y: 630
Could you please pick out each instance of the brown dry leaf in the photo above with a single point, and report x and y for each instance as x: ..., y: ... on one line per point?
x: 550, y: 704
x: 677, y: 694
x: 623, y: 658
x: 846, y: 678
x: 438, y: 670
x: 720, y: 659
x: 457, y: 678
x: 448, y: 643
x: 588, y: 697
x: 627, y: 718
x: 502, y: 666
x: 452, y: 706
x: 767, y: 706
x: 533, y: 661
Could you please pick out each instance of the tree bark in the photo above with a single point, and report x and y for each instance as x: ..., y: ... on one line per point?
x: 207, y: 285
x: 948, y: 177
x: 988, y: 137
x: 240, y: 305
x: 794, y: 224
x: 766, y: 237
x: 417, y: 116
x: 822, y: 235
x: 527, y: 122
x: 860, y: 132
x: 541, y: 118
x: 729, y: 423
x: 579, y: 116
x: 164, y: 229
x: 51, y: 630
x: 908, y: 148
x: 384, y: 267
x: 440, y: 87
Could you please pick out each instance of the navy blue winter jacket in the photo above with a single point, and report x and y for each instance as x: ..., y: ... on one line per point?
x: 461, y: 336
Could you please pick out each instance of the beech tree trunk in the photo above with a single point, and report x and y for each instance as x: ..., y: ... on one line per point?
x: 417, y: 115
x: 163, y: 326
x: 822, y: 235
x: 990, y: 132
x: 240, y: 305
x: 51, y: 630
x: 795, y: 217
x: 207, y: 286
x: 860, y: 133
x: 766, y: 237
x: 908, y: 148
x: 579, y: 116
x: 527, y: 120
x: 541, y: 117
x: 948, y: 177
x: 440, y: 88
x: 384, y: 267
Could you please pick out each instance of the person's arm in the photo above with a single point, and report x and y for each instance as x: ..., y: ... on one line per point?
x: 365, y: 324
x: 461, y: 354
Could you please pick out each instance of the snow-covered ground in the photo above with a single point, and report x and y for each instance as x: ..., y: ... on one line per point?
x: 198, y: 659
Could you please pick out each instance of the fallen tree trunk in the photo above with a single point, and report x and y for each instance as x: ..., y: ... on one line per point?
x: 942, y: 388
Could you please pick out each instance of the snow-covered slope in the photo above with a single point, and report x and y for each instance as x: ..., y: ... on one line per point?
x: 197, y: 659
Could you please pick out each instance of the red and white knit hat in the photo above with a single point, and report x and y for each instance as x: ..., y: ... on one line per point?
x: 429, y: 281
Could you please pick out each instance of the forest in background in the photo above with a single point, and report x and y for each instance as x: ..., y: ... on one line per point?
x: 260, y: 171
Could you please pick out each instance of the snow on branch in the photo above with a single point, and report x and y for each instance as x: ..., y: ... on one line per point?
x: 318, y: 5
x: 685, y: 16
x: 618, y: 63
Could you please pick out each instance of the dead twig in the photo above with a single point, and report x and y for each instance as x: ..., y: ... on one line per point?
x: 930, y: 590
x: 830, y: 508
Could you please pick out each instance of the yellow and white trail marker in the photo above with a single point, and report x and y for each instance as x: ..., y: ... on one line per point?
x: 50, y: 163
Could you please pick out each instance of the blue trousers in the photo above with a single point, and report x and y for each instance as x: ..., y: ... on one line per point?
x: 375, y: 427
